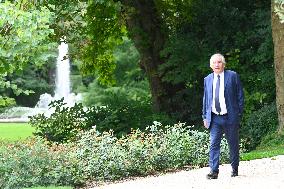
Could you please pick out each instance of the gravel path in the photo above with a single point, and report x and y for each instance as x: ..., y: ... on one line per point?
x: 267, y: 173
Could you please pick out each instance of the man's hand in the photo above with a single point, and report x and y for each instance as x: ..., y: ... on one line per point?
x: 205, y: 124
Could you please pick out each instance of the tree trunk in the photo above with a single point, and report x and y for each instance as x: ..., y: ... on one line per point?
x: 145, y: 27
x: 278, y: 40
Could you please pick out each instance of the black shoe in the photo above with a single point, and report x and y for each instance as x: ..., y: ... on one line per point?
x: 212, y: 175
x: 234, y: 173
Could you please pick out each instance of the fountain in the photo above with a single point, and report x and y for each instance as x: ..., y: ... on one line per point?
x: 62, y: 90
x: 62, y: 83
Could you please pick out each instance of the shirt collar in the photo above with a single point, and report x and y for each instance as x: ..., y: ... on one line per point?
x: 221, y: 74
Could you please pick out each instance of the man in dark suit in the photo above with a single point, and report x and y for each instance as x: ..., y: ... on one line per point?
x: 223, y: 103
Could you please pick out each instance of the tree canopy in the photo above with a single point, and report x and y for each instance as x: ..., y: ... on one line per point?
x: 24, y: 36
x: 175, y: 40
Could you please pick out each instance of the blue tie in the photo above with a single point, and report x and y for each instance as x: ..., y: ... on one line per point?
x: 217, y: 89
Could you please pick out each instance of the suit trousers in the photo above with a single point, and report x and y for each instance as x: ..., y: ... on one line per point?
x: 219, y: 125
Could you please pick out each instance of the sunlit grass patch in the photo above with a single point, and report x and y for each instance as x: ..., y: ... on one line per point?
x: 51, y: 187
x: 263, y: 153
x: 15, y: 131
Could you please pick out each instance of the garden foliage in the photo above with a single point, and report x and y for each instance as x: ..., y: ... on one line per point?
x: 96, y: 156
x: 65, y: 122
x: 24, y: 37
x: 259, y: 125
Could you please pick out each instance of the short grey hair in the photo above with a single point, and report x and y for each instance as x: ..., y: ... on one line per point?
x: 217, y: 55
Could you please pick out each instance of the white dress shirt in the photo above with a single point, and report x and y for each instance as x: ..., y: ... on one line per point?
x: 221, y: 94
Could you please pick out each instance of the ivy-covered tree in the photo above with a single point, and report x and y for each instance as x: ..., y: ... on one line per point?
x: 277, y: 14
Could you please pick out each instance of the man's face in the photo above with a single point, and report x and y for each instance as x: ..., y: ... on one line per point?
x: 217, y: 66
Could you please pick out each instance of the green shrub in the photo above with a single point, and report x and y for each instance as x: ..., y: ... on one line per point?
x: 272, y: 139
x: 129, y: 114
x: 64, y: 124
x: 106, y: 157
x: 6, y: 102
x: 34, y: 163
x: 99, y: 156
x: 259, y: 124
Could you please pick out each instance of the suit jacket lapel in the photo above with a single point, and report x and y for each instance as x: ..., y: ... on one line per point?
x: 226, y: 77
x: 210, y: 86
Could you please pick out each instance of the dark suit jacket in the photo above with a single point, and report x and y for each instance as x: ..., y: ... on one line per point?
x: 234, y: 97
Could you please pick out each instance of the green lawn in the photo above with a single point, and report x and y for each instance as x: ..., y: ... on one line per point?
x: 15, y: 131
x: 20, y: 131
x: 271, y: 145
x: 50, y: 187
x: 263, y: 153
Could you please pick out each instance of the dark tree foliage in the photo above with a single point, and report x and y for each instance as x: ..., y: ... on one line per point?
x: 175, y: 40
